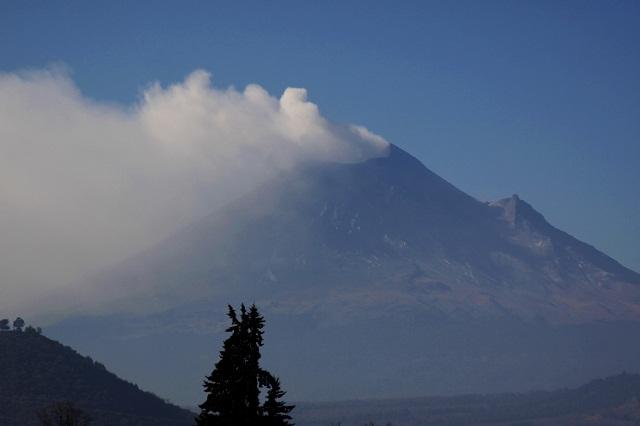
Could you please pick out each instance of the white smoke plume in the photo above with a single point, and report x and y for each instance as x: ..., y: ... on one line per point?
x: 85, y: 184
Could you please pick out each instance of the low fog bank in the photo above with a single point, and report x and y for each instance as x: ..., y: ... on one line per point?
x: 84, y: 184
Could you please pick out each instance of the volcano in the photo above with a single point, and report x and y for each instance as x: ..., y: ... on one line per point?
x: 377, y: 279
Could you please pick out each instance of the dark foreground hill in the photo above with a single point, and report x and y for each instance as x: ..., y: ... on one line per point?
x: 612, y: 402
x: 36, y: 371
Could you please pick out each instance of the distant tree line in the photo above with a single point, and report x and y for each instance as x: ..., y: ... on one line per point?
x: 18, y: 326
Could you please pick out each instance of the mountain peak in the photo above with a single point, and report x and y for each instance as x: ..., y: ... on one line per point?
x: 532, y: 229
x: 517, y: 212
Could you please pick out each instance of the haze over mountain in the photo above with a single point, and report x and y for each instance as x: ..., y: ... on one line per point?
x: 385, y: 278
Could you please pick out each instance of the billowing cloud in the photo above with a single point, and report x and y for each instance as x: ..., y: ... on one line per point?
x: 84, y: 184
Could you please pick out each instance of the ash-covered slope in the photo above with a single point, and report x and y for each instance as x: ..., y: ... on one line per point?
x: 383, y: 236
x: 36, y: 372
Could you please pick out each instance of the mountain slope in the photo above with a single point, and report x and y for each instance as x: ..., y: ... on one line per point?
x: 36, y: 372
x: 377, y: 279
x: 385, y: 234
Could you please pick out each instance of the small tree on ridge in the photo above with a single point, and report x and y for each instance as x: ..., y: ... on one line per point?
x: 18, y: 323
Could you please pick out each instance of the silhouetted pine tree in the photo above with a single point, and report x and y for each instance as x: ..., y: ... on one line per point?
x: 233, y: 388
x: 276, y: 412
x: 226, y: 387
x: 253, y: 323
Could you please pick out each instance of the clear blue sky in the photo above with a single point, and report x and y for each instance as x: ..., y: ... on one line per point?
x: 536, y: 98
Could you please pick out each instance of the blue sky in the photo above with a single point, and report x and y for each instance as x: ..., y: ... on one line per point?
x: 536, y: 98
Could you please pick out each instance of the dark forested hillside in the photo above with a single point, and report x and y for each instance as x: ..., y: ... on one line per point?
x: 36, y: 371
